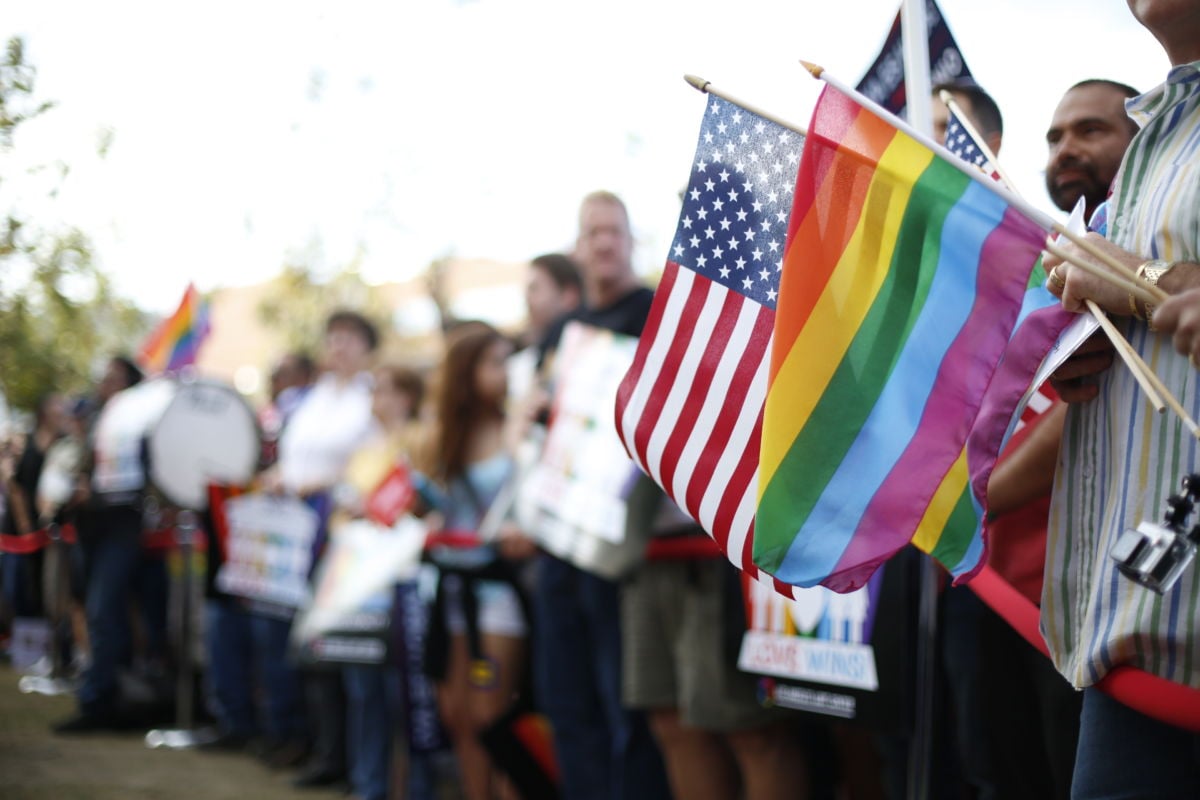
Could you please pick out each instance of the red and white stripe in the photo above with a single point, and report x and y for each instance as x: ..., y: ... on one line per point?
x: 690, y: 409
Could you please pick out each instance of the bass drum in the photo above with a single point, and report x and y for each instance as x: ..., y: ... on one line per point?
x: 176, y: 436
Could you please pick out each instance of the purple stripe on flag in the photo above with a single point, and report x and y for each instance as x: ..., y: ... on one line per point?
x: 1031, y: 342
x: 903, y: 498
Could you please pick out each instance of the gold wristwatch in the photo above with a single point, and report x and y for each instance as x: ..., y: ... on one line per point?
x: 1151, y: 272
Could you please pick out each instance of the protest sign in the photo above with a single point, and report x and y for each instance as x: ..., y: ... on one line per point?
x: 349, y: 618
x: 268, y: 549
x: 572, y: 499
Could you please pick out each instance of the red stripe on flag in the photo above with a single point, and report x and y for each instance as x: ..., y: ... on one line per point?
x: 653, y: 322
x: 722, y: 429
x: 668, y: 372
x: 700, y: 387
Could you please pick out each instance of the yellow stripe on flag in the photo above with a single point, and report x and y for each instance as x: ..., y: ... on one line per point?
x: 941, y: 506
x: 843, y: 305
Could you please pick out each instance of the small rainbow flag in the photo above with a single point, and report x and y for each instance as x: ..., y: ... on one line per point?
x: 903, y: 283
x: 175, y: 343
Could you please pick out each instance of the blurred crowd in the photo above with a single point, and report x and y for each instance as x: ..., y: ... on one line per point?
x: 510, y: 671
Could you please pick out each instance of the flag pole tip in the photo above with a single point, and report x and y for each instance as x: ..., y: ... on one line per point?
x: 813, y: 68
x: 946, y: 96
x: 699, y: 84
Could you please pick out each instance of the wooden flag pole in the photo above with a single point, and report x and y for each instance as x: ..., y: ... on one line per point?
x: 1141, y: 371
x: 1152, y: 294
x: 1122, y: 276
x: 969, y: 127
x: 701, y: 85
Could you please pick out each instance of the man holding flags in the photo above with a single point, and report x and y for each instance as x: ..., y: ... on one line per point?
x: 1119, y: 459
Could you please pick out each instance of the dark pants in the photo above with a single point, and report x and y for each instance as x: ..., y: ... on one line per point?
x: 231, y: 669
x: 370, y: 696
x: 282, y: 689
x: 1123, y: 754
x: 116, y: 567
x: 326, y: 706
x: 1032, y: 714
x: 21, y: 579
x: 604, y: 750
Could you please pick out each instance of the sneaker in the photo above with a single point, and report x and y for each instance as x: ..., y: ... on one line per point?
x: 319, y: 775
x: 230, y: 742
x: 284, y: 754
x: 89, y: 722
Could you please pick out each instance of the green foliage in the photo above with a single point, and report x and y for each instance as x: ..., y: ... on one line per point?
x: 298, y: 304
x: 58, y: 314
x: 17, y: 104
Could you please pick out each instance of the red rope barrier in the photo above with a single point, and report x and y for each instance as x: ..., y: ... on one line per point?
x: 35, y: 541
x: 1164, y: 700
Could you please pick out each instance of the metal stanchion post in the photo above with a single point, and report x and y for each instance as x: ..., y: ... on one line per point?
x: 58, y: 614
x: 183, y: 736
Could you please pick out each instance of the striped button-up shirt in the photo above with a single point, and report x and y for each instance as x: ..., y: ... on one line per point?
x: 1120, y: 459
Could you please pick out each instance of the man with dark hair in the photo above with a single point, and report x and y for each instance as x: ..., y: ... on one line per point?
x: 554, y: 288
x: 353, y: 321
x: 1087, y: 138
x: 977, y: 104
x: 110, y: 528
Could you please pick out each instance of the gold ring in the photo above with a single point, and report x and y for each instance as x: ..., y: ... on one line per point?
x: 1056, y: 280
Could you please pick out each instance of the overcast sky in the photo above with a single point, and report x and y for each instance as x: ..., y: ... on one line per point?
x: 245, y: 134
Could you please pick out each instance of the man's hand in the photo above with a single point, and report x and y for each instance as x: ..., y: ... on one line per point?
x: 1075, y: 380
x: 1179, y: 318
x: 1075, y: 285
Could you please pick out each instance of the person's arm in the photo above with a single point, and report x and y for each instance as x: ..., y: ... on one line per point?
x: 1027, y: 473
x: 1075, y: 379
x: 1075, y: 285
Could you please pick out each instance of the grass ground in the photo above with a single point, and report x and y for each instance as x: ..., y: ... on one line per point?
x: 37, y: 765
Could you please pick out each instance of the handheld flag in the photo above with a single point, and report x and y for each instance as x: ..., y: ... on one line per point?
x: 903, y: 282
x: 175, y: 343
x: 690, y: 409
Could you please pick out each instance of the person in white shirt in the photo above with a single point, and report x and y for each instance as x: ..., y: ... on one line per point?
x: 332, y: 421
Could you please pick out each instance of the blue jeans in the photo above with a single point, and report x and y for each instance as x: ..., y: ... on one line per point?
x: 231, y: 670
x: 369, y: 696
x: 283, y: 715
x: 1124, y: 754
x: 113, y: 553
x: 604, y: 751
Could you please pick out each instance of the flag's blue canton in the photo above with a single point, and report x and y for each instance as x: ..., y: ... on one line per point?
x: 734, y: 221
x: 961, y: 144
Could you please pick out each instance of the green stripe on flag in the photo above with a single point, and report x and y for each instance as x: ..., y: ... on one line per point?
x: 863, y: 372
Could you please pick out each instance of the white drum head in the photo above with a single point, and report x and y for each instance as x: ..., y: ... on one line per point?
x: 208, y: 434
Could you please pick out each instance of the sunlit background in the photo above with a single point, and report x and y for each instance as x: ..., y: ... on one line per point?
x: 216, y: 143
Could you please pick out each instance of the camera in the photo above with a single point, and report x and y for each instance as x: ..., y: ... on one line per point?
x: 1155, y: 555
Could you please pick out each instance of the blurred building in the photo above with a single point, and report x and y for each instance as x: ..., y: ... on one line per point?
x: 241, y: 348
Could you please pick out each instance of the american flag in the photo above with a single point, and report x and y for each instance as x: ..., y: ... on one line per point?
x: 690, y: 409
x: 961, y: 143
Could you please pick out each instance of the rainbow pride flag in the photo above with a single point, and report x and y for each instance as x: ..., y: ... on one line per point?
x: 176, y: 341
x: 890, y: 390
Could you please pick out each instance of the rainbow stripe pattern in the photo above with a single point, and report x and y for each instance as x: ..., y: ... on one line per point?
x: 890, y: 390
x: 175, y: 343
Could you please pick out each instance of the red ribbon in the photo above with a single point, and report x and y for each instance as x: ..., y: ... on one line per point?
x: 33, y: 542
x: 1164, y: 700
x: 457, y: 539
